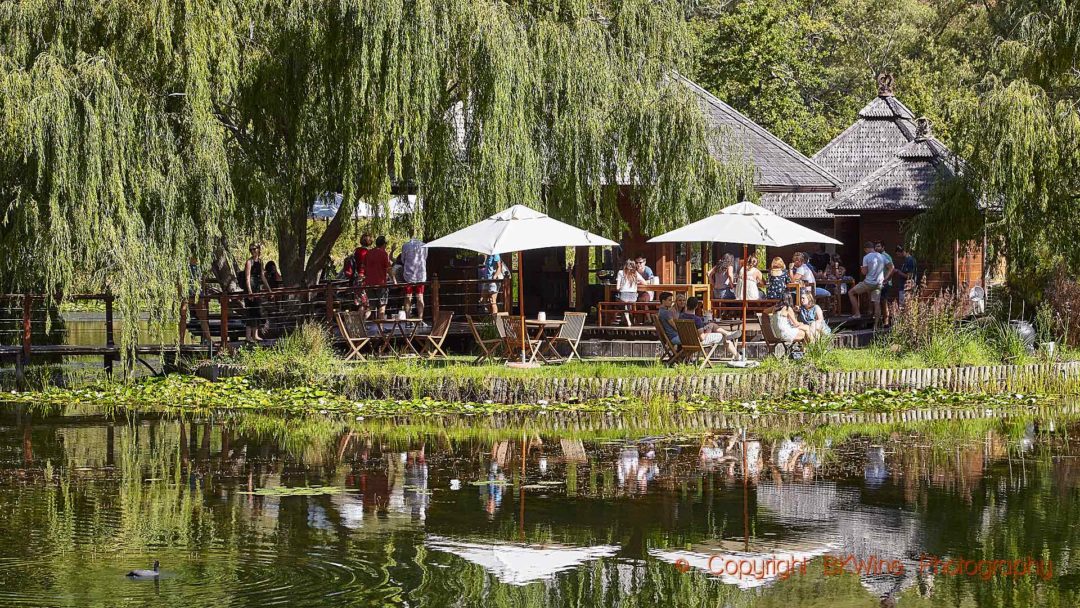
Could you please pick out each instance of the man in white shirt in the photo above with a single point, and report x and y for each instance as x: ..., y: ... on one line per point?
x: 873, y: 269
x: 804, y: 274
x: 414, y: 272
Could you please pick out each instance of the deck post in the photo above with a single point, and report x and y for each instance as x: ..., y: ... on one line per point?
x: 224, y: 300
x: 109, y: 336
x: 506, y: 297
x: 434, y: 296
x: 330, y: 304
x: 27, y: 301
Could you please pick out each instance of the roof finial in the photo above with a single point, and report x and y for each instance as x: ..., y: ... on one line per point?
x: 885, y: 82
x: 922, y: 128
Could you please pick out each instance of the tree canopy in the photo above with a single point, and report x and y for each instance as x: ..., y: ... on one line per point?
x: 138, y: 129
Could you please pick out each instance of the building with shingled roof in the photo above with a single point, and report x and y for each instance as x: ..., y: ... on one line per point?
x: 888, y: 163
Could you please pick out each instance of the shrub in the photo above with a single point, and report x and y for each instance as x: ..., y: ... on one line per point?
x: 1060, y: 321
x: 306, y: 355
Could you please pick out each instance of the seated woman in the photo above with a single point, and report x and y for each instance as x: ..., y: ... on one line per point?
x: 786, y: 323
x: 835, y: 271
x: 776, y: 285
x: 627, y: 283
x: 811, y: 315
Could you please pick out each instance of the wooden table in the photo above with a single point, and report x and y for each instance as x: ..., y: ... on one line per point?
x: 538, y: 336
x: 398, y: 325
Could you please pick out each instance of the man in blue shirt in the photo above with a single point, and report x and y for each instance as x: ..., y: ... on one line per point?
x: 667, y: 316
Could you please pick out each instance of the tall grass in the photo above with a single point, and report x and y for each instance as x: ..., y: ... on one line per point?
x: 304, y: 356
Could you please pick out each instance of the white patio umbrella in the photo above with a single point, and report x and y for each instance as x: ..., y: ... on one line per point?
x: 748, y: 224
x: 520, y: 564
x: 519, y: 228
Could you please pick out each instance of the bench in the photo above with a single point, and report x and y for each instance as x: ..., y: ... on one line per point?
x: 720, y: 307
x: 609, y: 311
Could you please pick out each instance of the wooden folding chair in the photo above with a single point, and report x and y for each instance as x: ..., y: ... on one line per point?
x: 690, y: 343
x: 570, y: 334
x: 770, y: 337
x: 432, y: 342
x: 670, y: 354
x: 354, y: 331
x: 489, y: 348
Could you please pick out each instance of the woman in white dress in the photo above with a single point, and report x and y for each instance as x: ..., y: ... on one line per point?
x: 627, y: 282
x: 754, y: 281
x: 786, y: 323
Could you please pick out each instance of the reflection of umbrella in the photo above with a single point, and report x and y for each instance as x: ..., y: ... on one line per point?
x: 519, y: 229
x: 745, y: 570
x: 748, y: 224
x: 520, y: 564
x: 326, y: 206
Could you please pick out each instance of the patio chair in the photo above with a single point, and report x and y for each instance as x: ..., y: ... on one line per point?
x: 670, y: 354
x: 490, y: 347
x: 354, y: 330
x: 432, y: 342
x: 691, y: 345
x: 512, y: 339
x: 770, y: 337
x: 569, y: 334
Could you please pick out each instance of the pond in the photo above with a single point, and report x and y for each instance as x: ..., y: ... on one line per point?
x: 250, y: 510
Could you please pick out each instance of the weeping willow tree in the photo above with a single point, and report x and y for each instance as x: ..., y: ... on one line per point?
x: 1022, y: 142
x: 140, y: 129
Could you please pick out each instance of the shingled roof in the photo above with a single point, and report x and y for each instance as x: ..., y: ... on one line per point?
x: 777, y: 166
x: 883, y: 127
x: 905, y: 182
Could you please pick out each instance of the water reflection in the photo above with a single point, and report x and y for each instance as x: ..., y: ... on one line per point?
x: 253, y: 510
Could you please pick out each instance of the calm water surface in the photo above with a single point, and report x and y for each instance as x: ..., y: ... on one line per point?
x: 256, y: 511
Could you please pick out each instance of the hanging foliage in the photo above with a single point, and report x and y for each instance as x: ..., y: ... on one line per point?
x: 141, y: 128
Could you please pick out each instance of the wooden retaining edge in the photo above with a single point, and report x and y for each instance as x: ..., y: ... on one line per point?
x: 1019, y: 378
x: 506, y: 389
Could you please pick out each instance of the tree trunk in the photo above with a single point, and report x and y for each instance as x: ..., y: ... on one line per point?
x: 321, y: 251
x: 292, y: 245
x: 222, y: 267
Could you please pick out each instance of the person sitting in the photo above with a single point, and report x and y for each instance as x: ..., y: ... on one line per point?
x: 835, y: 271
x: 648, y: 276
x: 786, y: 323
x: 820, y: 260
x: 722, y: 279
x: 812, y: 316
x: 687, y: 308
x: 667, y: 316
x: 776, y: 286
x: 804, y: 274
x: 273, y: 276
x: 626, y: 283
x: 709, y: 333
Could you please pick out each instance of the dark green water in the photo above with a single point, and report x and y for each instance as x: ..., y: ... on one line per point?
x: 406, y: 517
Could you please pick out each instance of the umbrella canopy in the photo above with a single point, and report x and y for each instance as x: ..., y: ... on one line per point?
x: 519, y: 229
x: 520, y: 564
x: 327, y: 204
x: 745, y: 223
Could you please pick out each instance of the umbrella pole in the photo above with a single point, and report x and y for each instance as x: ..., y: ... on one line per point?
x: 521, y: 302
x: 745, y: 258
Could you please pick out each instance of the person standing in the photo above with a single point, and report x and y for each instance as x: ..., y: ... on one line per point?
x: 873, y: 269
x: 627, y: 283
x: 722, y: 279
x: 904, y: 275
x: 753, y: 282
x: 887, y: 292
x: 254, y: 282
x: 491, y: 269
x: 377, y: 275
x: 414, y: 273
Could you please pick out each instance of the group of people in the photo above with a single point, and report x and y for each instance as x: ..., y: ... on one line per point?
x: 884, y: 280
x: 370, y: 269
x: 676, y: 308
x: 257, y: 277
x: 633, y: 281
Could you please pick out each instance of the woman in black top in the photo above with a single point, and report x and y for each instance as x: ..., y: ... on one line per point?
x: 254, y: 282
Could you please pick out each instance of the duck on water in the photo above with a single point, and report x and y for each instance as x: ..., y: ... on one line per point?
x: 145, y: 573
